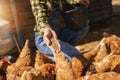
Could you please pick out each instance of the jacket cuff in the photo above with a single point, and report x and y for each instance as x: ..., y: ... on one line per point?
x: 71, y: 1
x: 42, y: 29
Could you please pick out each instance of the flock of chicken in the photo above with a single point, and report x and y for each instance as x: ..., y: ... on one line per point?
x: 101, y: 63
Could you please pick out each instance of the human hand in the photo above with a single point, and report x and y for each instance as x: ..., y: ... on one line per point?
x: 48, y: 35
x: 85, y: 2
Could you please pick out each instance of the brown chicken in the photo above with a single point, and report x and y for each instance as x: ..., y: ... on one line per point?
x: 101, y: 53
x: 12, y: 77
x: 22, y: 67
x: 111, y: 61
x: 114, y: 43
x: 31, y: 75
x: 115, y: 64
x: 91, y: 54
x: 78, y: 65
x: 108, y: 63
x: 102, y: 76
x: 81, y: 62
x: 41, y: 59
x: 25, y: 56
x: 2, y: 73
x: 63, y: 66
x: 23, y: 63
x: 3, y: 66
x: 17, y: 70
x: 44, y: 72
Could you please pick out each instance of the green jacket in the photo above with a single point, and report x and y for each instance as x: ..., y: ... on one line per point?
x: 41, y: 13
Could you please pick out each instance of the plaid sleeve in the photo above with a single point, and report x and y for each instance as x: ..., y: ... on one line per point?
x: 71, y: 1
x: 39, y: 9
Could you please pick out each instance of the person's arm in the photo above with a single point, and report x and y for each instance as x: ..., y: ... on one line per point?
x: 39, y: 9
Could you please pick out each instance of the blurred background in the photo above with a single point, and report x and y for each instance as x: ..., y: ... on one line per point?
x: 104, y: 16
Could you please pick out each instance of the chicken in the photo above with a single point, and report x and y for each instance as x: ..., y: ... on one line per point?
x: 2, y: 74
x: 101, y: 53
x: 17, y: 70
x: 114, y: 43
x: 13, y: 77
x: 78, y: 64
x: 31, y: 75
x: 117, y: 68
x: 81, y: 62
x: 40, y: 71
x: 91, y: 54
x: 14, y: 72
x: 108, y: 63
x: 3, y: 66
x: 44, y: 72
x: 63, y: 66
x: 45, y: 65
x: 115, y: 64
x: 22, y: 63
x: 25, y: 56
x: 111, y: 61
x: 102, y: 76
x: 47, y: 70
x: 41, y: 59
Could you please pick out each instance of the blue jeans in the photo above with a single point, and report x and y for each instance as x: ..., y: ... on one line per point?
x: 67, y: 37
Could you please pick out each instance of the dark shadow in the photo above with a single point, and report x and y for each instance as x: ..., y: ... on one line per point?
x: 110, y: 25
